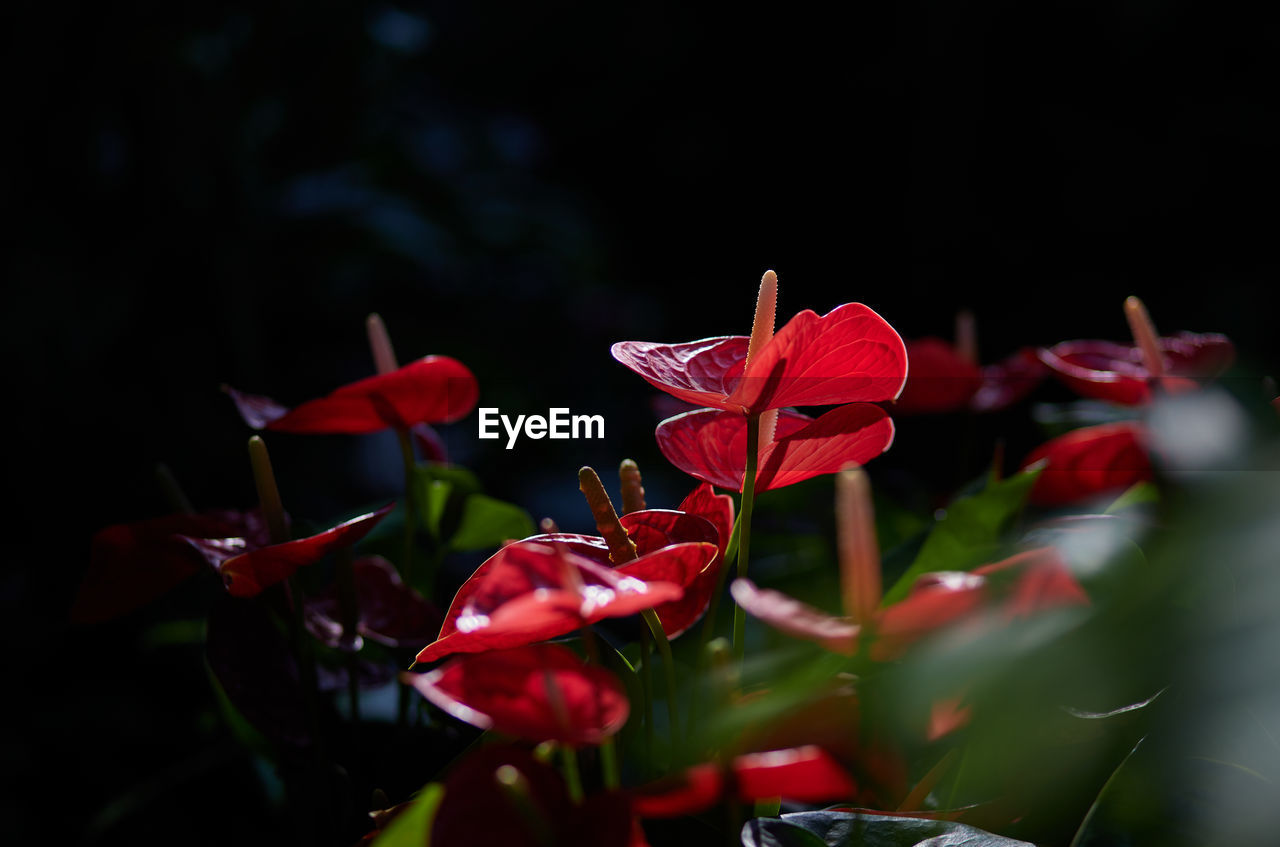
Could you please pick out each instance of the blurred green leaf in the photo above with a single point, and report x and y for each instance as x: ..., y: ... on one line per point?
x: 487, y: 522
x: 849, y: 829
x: 1140, y: 494
x: 412, y: 827
x: 968, y: 533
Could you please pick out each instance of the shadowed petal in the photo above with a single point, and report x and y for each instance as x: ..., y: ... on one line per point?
x: 1089, y: 461
x: 1115, y: 372
x: 540, y: 692
x: 941, y: 379
x: 1008, y: 381
x: 701, y: 372
x: 789, y: 615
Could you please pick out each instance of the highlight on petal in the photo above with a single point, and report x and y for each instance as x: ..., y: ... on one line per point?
x: 804, y: 774
x: 711, y: 445
x: 1106, y: 370
x: 1090, y: 461
x: 848, y: 355
x: 701, y: 372
x: 433, y: 389
x: 789, y: 615
x: 247, y: 572
x: 941, y: 380
x: 523, y: 594
x: 540, y: 692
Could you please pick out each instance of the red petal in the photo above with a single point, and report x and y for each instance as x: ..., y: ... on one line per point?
x: 700, y: 372
x: 936, y: 601
x: 803, y: 774
x: 1007, y: 382
x: 946, y: 716
x: 1044, y: 582
x: 541, y: 692
x: 789, y: 615
x: 941, y: 380
x: 434, y: 389
x: 132, y: 564
x: 712, y: 445
x: 1089, y: 461
x: 717, y: 508
x: 247, y: 574
x: 689, y: 792
x: 848, y: 355
x: 519, y: 595
x: 1115, y: 372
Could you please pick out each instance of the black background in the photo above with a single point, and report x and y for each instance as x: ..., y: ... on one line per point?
x: 204, y: 193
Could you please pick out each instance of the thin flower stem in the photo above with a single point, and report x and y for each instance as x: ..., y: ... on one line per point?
x: 572, y: 776
x: 609, y: 764
x: 768, y: 808
x: 350, y: 613
x: 646, y: 685
x: 410, y: 507
x: 669, y: 668
x: 744, y: 539
x: 709, y: 622
x: 172, y: 491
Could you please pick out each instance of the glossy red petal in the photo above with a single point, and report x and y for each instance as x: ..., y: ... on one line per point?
x: 434, y: 389
x: 936, y: 601
x: 704, y: 502
x: 789, y: 615
x: 540, y: 692
x: 1042, y: 581
x: 1115, y: 372
x: 694, y: 566
x: 132, y: 564
x: 691, y: 791
x: 804, y: 774
x: 520, y: 595
x: 941, y: 380
x: 249, y: 573
x: 1090, y: 461
x: 711, y: 445
x: 1008, y: 381
x: 856, y: 433
x: 702, y: 372
x: 848, y: 355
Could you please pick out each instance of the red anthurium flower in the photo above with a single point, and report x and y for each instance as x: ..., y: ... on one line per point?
x: 1039, y: 580
x: 389, y: 612
x: 848, y: 355
x: 133, y: 564
x: 944, y: 380
x: 529, y: 592
x: 1090, y: 461
x: 711, y: 445
x: 434, y: 389
x: 803, y: 774
x: 247, y: 568
x: 1115, y: 372
x: 539, y: 692
x: 703, y: 517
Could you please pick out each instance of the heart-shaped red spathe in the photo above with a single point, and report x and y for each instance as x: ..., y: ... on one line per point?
x: 523, y: 594
x: 247, y: 569
x: 540, y: 692
x: 1008, y: 381
x: 433, y: 389
x: 1090, y: 461
x: 711, y: 445
x: 653, y: 529
x: 848, y: 355
x: 1115, y: 372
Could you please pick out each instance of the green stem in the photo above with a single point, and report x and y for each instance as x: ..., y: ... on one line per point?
x: 609, y: 764
x: 646, y: 685
x: 410, y: 507
x: 669, y: 667
x: 768, y: 808
x: 709, y: 621
x: 572, y: 776
x: 744, y: 540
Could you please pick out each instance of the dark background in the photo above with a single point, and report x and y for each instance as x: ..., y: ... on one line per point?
x: 204, y: 193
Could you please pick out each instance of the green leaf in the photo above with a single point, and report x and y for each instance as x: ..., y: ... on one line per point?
x: 1139, y: 494
x: 487, y: 522
x: 849, y: 829
x: 412, y: 827
x: 968, y: 533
